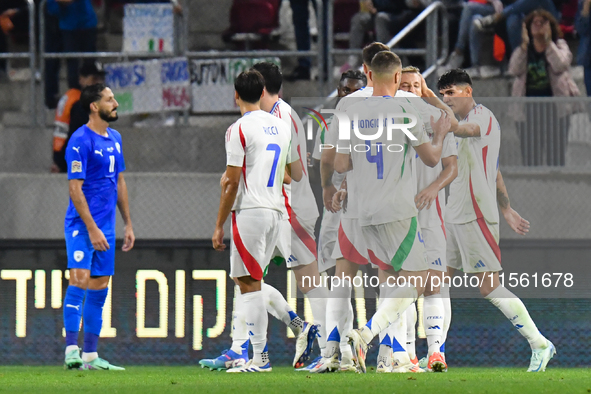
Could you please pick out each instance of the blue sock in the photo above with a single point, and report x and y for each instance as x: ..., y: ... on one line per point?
x: 73, y: 313
x: 93, y: 318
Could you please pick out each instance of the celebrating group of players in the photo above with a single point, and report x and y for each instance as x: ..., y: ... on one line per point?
x: 383, y: 183
x: 383, y: 169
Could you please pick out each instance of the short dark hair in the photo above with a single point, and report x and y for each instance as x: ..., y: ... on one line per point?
x: 249, y: 85
x: 354, y: 74
x: 91, y: 94
x: 371, y: 50
x: 454, y: 77
x: 385, y: 62
x: 272, y: 75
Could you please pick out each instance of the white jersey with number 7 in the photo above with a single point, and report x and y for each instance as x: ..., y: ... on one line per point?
x: 260, y: 144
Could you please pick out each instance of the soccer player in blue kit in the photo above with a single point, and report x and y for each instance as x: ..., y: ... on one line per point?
x: 95, y: 174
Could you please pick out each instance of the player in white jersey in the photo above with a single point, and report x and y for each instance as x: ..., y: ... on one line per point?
x: 257, y: 150
x: 385, y: 201
x: 298, y: 246
x: 472, y: 217
x: 350, y: 82
x: 350, y: 250
x: 430, y: 200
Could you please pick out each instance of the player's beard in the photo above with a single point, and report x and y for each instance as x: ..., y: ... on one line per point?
x: 108, y: 116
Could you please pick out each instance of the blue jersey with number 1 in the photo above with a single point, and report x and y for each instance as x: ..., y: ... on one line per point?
x: 97, y: 160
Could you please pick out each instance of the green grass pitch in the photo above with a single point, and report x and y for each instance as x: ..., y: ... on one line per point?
x: 284, y: 380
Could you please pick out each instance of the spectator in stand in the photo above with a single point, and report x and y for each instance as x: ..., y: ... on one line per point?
x: 514, y: 14
x: 300, y: 17
x: 77, y: 23
x: 11, y: 12
x: 70, y: 116
x: 541, y: 65
x: 583, y: 25
x: 470, y: 37
x: 387, y: 17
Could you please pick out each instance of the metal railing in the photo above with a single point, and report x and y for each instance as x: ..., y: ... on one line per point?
x: 31, y: 55
x: 430, y: 15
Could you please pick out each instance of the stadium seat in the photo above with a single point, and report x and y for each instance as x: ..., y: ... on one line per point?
x: 567, y: 22
x: 252, y: 21
x: 343, y: 12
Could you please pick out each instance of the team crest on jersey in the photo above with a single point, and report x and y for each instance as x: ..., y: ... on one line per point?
x: 118, y: 147
x: 78, y: 255
x: 76, y: 166
x: 110, y: 149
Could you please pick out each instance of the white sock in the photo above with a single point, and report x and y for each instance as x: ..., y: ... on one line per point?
x: 390, y: 311
x: 318, y: 298
x: 397, y: 332
x: 256, y: 322
x: 445, y: 298
x: 383, y: 293
x: 433, y: 322
x: 516, y: 312
x: 278, y: 307
x: 239, y: 331
x: 338, y: 303
x: 411, y: 330
x: 88, y: 357
x: 348, y: 327
x: 71, y: 348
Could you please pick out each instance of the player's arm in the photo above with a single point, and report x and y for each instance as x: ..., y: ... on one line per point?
x: 295, y: 171
x: 326, y: 172
x: 342, y: 163
x: 450, y: 171
x: 229, y: 182
x: 430, y: 152
x: 467, y: 130
x: 123, y: 205
x: 97, y: 238
x: 514, y: 220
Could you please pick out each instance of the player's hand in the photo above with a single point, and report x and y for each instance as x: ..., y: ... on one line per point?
x: 218, y: 239
x: 54, y: 169
x: 426, y: 197
x: 128, y: 239
x: 443, y: 124
x: 222, y: 179
x: 327, y: 195
x: 98, y: 240
x: 339, y: 200
x: 516, y: 222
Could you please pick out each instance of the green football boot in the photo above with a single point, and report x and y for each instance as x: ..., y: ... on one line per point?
x: 73, y: 360
x: 100, y: 365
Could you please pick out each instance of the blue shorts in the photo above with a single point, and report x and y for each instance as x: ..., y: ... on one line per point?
x: 82, y: 255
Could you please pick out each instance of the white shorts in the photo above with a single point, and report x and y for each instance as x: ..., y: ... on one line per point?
x: 296, y: 243
x: 473, y: 246
x: 327, y: 238
x: 254, y: 237
x: 435, y: 245
x: 350, y: 243
x: 397, y: 245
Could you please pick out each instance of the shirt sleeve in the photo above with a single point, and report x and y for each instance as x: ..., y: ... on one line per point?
x: 77, y: 159
x: 235, y: 146
x: 449, y: 146
x: 320, y: 135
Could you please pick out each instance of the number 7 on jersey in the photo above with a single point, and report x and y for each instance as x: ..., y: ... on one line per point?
x: 277, y: 149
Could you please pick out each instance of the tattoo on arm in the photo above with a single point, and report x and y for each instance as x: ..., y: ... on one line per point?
x: 502, y: 198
